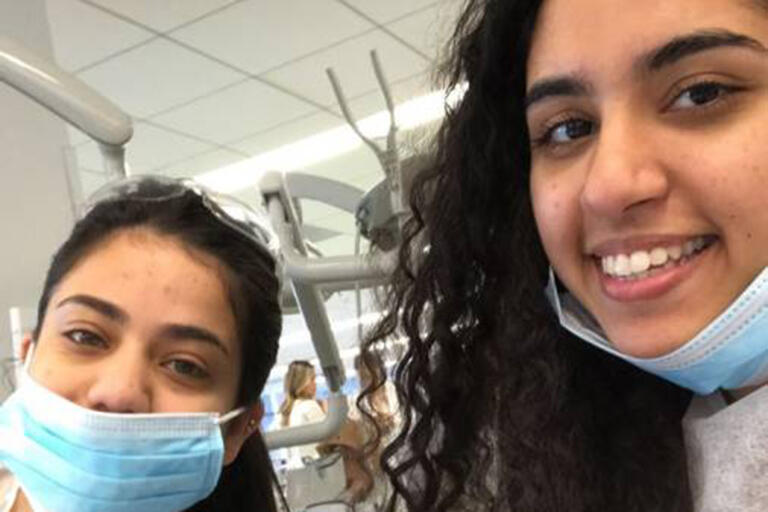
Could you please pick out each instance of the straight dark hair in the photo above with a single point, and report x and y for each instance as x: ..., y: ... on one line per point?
x: 167, y: 208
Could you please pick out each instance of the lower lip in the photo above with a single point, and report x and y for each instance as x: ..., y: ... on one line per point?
x: 625, y: 290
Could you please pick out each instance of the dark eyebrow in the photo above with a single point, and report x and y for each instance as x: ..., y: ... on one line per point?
x: 193, y: 332
x: 696, y: 42
x: 665, y: 55
x: 99, y: 305
x: 563, y: 85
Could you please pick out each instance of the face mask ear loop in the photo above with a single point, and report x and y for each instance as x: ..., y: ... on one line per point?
x: 226, y: 418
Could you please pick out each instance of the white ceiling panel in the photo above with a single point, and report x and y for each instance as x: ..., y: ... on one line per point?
x: 352, y: 63
x: 401, y: 90
x: 90, y: 182
x: 157, y: 76
x: 150, y: 148
x: 200, y: 163
x: 75, y: 135
x: 384, y: 11
x: 287, y: 132
x: 429, y: 29
x: 257, y: 35
x: 235, y: 112
x: 82, y: 34
x: 359, y: 168
x: 164, y: 15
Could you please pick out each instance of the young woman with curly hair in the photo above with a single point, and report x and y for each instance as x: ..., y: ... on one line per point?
x: 588, y: 253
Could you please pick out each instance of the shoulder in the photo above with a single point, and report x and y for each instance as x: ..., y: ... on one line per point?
x: 8, y: 489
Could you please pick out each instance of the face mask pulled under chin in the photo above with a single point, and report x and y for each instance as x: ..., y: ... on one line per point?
x: 67, y: 458
x: 731, y: 352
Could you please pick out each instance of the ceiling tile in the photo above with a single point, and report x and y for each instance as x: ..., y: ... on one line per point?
x: 287, y: 133
x: 428, y: 30
x: 258, y: 35
x: 157, y: 76
x: 91, y: 181
x: 152, y: 147
x: 235, y: 112
x: 384, y: 11
x: 352, y: 63
x: 199, y: 163
x: 76, y: 135
x: 163, y: 16
x: 76, y: 26
x: 401, y: 90
x: 149, y: 149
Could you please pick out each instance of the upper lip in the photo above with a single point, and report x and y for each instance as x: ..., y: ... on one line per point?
x: 629, y: 245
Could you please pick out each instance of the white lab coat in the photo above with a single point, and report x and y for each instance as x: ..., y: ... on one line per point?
x: 304, y: 412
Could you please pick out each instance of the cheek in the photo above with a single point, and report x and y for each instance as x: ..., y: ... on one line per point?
x: 553, y: 213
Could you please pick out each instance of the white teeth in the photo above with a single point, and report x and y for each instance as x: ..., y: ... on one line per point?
x: 638, y: 264
x: 621, y: 265
x: 640, y: 261
x: 659, y: 256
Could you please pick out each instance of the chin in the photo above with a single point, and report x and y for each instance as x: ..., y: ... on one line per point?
x: 646, y: 345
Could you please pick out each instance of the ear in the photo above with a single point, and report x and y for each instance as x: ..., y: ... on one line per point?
x: 240, y: 429
x: 26, y: 343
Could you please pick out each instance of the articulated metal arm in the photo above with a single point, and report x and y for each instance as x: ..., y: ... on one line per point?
x: 69, y: 98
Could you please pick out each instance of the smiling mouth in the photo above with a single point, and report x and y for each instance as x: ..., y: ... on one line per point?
x: 643, y: 264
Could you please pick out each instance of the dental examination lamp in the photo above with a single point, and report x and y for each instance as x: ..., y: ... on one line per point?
x: 309, y: 275
x: 70, y: 99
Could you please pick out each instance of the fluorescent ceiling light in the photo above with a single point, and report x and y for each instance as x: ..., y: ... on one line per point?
x: 325, y: 145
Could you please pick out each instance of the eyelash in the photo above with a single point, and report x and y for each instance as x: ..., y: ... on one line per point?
x: 192, y: 370
x: 197, y: 372
x: 725, y: 92
x: 74, y: 334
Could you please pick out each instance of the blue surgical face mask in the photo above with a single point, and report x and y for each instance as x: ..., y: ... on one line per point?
x: 71, y: 459
x: 731, y: 352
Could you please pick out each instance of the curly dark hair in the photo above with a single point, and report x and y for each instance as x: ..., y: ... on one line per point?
x: 503, y: 409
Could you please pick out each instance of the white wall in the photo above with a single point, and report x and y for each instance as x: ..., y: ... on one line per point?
x: 35, y: 213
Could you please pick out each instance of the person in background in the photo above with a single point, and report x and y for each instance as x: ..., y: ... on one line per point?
x: 300, y: 407
x: 588, y: 252
x: 157, y: 328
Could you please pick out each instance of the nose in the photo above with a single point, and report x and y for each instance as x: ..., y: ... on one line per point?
x: 121, y: 385
x: 626, y: 171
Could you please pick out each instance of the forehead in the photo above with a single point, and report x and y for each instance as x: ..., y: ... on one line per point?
x: 155, y: 278
x: 582, y: 36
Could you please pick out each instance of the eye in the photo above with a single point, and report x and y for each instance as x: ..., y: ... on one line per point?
x: 565, y: 131
x: 702, y: 94
x: 186, y: 368
x: 85, y: 338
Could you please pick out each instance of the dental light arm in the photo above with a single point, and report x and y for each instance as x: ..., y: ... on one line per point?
x: 389, y: 157
x: 69, y: 98
x: 307, y: 275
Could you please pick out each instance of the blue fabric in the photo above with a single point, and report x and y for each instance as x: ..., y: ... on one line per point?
x: 731, y: 352
x: 146, y: 467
